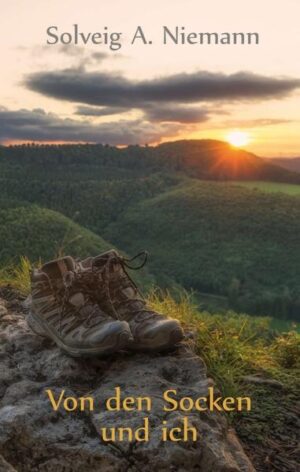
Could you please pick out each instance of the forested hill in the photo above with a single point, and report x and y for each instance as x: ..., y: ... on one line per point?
x: 217, y: 160
x: 217, y: 238
x: 203, y: 159
x: 223, y: 239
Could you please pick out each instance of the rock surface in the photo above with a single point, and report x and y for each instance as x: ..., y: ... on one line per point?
x: 34, y: 437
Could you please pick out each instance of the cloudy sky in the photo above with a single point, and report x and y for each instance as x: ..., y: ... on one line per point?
x: 151, y: 93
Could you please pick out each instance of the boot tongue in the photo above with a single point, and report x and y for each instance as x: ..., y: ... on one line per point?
x: 115, y: 271
x: 61, y: 271
x: 102, y: 259
x: 58, y: 267
x: 112, y: 260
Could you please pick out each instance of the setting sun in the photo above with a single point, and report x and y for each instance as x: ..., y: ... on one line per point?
x: 238, y: 138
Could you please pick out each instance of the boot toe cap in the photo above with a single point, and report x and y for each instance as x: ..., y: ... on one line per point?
x: 113, y: 336
x: 161, y: 335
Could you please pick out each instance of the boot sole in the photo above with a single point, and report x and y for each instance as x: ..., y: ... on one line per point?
x: 121, y: 340
x: 175, y: 337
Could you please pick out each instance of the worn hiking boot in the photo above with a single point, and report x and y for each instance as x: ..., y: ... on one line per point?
x: 119, y: 296
x: 63, y: 308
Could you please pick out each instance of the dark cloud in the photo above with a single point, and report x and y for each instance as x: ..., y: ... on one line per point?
x: 169, y: 113
x: 96, y: 111
x: 36, y: 125
x: 108, y: 89
x: 99, y: 56
x: 177, y: 114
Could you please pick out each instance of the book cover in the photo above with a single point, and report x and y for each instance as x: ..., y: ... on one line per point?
x: 149, y: 236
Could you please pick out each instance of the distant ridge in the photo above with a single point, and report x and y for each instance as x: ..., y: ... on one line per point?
x: 289, y: 163
x: 218, y: 160
x: 204, y: 159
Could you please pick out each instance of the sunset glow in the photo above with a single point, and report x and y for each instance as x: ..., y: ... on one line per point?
x: 83, y: 90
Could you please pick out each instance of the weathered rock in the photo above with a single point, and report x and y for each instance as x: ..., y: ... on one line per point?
x: 33, y: 437
x: 5, y: 466
x: 3, y: 309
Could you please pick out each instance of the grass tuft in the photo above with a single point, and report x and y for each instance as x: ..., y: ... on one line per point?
x: 233, y: 345
x: 17, y: 277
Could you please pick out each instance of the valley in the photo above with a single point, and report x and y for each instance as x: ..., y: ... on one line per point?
x: 288, y: 189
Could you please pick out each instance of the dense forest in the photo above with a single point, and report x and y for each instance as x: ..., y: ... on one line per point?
x: 203, y: 234
x: 221, y: 239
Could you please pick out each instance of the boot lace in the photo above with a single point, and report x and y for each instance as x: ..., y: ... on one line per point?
x: 84, y: 282
x: 136, y: 304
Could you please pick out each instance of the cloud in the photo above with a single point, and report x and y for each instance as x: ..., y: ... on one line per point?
x: 109, y: 89
x: 71, y: 50
x: 170, y: 113
x: 83, y: 56
x: 75, y: 56
x: 96, y: 111
x: 257, y: 123
x: 177, y: 114
x: 169, y: 105
x: 37, y: 125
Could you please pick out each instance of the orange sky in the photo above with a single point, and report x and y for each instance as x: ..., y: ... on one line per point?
x: 272, y: 123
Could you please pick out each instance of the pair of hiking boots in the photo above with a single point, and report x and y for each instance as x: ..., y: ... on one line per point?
x: 93, y: 307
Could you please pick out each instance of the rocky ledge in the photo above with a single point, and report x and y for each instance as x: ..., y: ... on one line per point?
x: 34, y: 437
